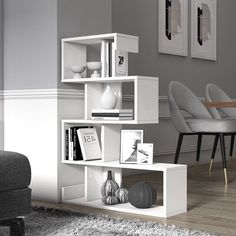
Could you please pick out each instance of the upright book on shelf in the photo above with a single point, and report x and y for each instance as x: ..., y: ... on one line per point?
x: 89, y: 144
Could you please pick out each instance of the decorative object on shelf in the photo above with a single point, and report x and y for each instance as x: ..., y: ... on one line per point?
x: 129, y: 145
x: 145, y: 153
x: 122, y: 194
x: 78, y: 70
x: 110, y: 200
x: 173, y: 27
x: 90, y: 147
x: 95, y: 66
x: 109, y: 186
x: 203, y: 27
x: 108, y: 99
x: 121, y: 63
x: 142, y: 195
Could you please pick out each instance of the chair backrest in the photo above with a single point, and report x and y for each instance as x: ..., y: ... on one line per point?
x: 182, y: 99
x: 216, y: 94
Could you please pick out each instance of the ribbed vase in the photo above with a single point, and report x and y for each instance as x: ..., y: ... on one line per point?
x: 110, y: 186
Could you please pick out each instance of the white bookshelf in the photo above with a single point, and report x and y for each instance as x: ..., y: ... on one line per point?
x: 145, y: 107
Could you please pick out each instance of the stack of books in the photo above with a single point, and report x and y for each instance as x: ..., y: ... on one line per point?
x: 112, y: 114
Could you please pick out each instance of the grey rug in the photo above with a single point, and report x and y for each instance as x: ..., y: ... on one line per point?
x: 48, y: 222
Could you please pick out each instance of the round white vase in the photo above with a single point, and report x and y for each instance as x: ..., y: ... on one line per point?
x: 108, y: 99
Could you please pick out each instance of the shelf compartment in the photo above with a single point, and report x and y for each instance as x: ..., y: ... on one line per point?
x: 145, y: 104
x: 110, y: 147
x: 174, y: 188
x: 74, y: 50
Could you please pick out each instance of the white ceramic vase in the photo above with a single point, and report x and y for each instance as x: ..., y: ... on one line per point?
x: 108, y: 99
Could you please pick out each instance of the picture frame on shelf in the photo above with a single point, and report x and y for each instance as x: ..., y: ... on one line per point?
x: 129, y: 145
x: 203, y: 29
x: 145, y: 153
x: 173, y: 27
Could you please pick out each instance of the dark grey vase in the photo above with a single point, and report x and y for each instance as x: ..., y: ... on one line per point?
x: 142, y: 195
x: 110, y: 186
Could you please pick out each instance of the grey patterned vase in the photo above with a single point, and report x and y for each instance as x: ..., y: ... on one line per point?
x: 110, y: 186
x: 122, y: 194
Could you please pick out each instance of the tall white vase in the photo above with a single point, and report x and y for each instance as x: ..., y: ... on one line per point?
x: 108, y: 99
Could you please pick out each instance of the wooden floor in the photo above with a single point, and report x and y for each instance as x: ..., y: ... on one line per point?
x: 211, y: 204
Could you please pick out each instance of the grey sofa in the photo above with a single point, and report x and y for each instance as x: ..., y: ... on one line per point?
x: 15, y: 196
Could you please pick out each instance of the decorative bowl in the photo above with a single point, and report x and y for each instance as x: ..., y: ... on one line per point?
x: 95, y: 66
x: 78, y: 70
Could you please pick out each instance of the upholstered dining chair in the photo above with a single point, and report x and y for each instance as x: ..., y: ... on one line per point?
x: 216, y: 94
x: 181, y: 98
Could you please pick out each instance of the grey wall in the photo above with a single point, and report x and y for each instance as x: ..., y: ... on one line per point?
x: 139, y: 17
x: 1, y: 44
x: 80, y: 18
x: 30, y: 43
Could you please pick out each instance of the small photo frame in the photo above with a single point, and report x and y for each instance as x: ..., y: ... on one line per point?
x: 145, y: 153
x: 121, y: 63
x: 129, y: 145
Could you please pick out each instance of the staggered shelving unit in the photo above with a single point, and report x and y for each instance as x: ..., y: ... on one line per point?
x: 145, y: 108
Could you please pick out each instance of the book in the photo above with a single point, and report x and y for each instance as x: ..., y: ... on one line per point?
x: 70, y: 146
x: 113, y: 118
x: 89, y: 144
x: 76, y: 152
x: 112, y: 111
x: 104, y: 58
x: 67, y: 144
x: 111, y: 115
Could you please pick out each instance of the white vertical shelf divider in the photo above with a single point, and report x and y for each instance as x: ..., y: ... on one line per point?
x: 88, y: 192
x: 110, y: 146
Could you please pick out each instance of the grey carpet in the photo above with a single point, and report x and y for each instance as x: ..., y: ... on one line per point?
x: 48, y: 222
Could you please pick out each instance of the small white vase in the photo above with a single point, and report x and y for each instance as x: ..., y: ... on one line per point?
x: 108, y: 99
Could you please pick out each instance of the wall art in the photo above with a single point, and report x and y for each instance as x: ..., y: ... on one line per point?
x: 203, y: 29
x: 173, y: 27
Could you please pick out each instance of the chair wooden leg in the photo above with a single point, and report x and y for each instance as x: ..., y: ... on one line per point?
x: 231, y: 147
x: 180, y: 140
x: 199, y: 143
x: 222, y: 145
x: 213, y: 151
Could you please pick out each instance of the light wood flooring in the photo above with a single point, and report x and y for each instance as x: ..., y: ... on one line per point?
x: 211, y: 204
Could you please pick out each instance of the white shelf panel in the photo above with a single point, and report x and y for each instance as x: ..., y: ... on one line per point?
x: 108, y: 79
x: 96, y: 39
x: 157, y: 211
x: 116, y: 164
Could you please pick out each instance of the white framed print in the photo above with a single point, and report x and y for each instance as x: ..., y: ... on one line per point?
x: 203, y: 29
x: 145, y: 153
x: 173, y: 27
x: 129, y: 145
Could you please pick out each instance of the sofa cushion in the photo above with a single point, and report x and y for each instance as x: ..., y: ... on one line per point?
x: 15, y: 172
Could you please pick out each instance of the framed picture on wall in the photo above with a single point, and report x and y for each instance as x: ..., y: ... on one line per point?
x: 129, y: 145
x: 173, y: 27
x: 203, y: 25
